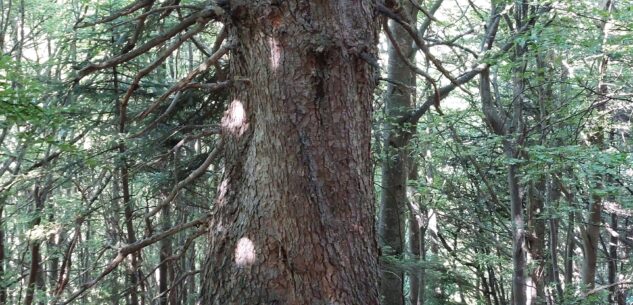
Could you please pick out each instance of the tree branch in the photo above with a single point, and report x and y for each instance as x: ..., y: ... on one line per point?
x: 420, y: 44
x: 133, y: 7
x: 132, y: 248
x: 186, y: 80
x: 192, y: 176
x: 205, y: 15
x: 166, y: 53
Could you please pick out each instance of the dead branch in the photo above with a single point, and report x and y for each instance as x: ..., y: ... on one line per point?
x: 176, y: 99
x: 208, y: 13
x: 133, y: 7
x: 428, y: 14
x: 186, y: 80
x: 192, y: 176
x: 133, y: 248
x: 161, y: 58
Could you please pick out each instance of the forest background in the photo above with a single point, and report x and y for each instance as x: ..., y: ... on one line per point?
x: 500, y: 154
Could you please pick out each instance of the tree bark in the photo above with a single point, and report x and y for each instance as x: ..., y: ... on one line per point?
x: 164, y: 270
x: 3, y: 288
x: 612, y: 267
x: 416, y: 277
x: 417, y: 232
x: 519, y: 263
x: 128, y: 205
x: 293, y: 222
x: 553, y: 250
x: 499, y: 127
x: 536, y: 242
x: 591, y: 233
x: 393, y: 201
x: 39, y: 195
x: 570, y: 246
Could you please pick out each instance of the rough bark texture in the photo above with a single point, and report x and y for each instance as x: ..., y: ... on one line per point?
x: 293, y: 222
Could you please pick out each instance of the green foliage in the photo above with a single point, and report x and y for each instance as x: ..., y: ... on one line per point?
x: 19, y: 94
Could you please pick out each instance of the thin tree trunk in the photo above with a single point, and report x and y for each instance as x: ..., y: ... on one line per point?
x: 510, y: 126
x: 536, y: 243
x: 164, y: 272
x: 39, y: 196
x: 393, y: 201
x: 512, y: 147
x: 85, y: 259
x: 591, y: 233
x: 553, y: 247
x: 483, y: 285
x: 497, y: 294
x: 293, y: 222
x: 51, y: 245
x: 496, y: 123
x: 3, y: 287
x: 416, y: 272
x: 570, y: 245
x: 519, y: 263
x: 129, y: 226
x: 417, y: 231
x: 621, y: 294
x: 612, y: 265
x: 127, y: 200
x: 191, y: 264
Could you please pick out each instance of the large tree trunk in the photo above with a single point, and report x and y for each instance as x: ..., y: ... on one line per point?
x: 294, y: 219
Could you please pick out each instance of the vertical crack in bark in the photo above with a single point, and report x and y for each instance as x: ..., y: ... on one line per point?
x: 319, y: 76
x: 298, y: 176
